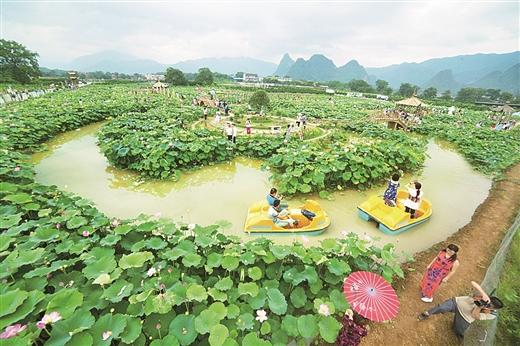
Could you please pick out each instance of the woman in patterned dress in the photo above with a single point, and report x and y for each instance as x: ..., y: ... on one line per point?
x: 438, y: 271
x: 390, y: 195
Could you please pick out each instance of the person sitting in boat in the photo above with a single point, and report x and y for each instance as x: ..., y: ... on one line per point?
x: 273, y: 196
x: 281, y: 216
x: 413, y: 201
x: 390, y: 195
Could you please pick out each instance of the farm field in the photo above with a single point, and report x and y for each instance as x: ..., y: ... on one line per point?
x: 123, y: 211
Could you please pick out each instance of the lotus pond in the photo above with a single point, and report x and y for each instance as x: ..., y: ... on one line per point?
x: 93, y: 271
x: 223, y: 192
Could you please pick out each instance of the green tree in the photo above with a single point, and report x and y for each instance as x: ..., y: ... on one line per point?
x: 175, y: 77
x: 360, y: 85
x: 493, y: 94
x: 204, y: 77
x: 446, y: 95
x: 430, y: 93
x: 407, y: 89
x: 259, y: 99
x: 506, y: 96
x: 470, y: 94
x: 382, y: 87
x: 17, y: 62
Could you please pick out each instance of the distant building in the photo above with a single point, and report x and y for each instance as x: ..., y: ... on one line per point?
x: 330, y: 91
x: 284, y: 79
x: 382, y: 97
x: 251, y: 78
x: 154, y: 77
x: 244, y: 77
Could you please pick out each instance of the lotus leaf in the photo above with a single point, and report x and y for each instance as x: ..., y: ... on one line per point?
x: 245, y: 321
x: 255, y: 273
x: 224, y: 284
x: 11, y: 300
x: 115, y: 324
x: 19, y: 198
x: 65, y: 302
x: 218, y: 335
x: 252, y: 339
x: 132, y: 330
x: 307, y: 326
x: 168, y: 340
x: 196, y: 292
x: 23, y: 310
x: 64, y: 330
x: 135, y: 260
x: 183, y: 327
x: 206, y: 320
x: 329, y: 328
x: 249, y: 288
x: 76, y: 222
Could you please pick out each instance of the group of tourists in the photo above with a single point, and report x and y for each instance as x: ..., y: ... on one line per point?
x: 441, y: 269
x: 296, y: 128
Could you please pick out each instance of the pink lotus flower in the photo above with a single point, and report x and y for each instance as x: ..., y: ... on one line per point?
x: 158, y: 326
x: 261, y: 316
x: 13, y: 330
x: 58, y: 225
x: 115, y: 222
x: 107, y: 334
x: 158, y: 214
x: 86, y: 233
x: 17, y: 169
x: 151, y: 271
x: 48, y: 319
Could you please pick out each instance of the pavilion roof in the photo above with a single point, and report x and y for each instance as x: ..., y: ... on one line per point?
x: 411, y: 101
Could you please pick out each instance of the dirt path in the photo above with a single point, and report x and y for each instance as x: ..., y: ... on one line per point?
x: 479, y: 241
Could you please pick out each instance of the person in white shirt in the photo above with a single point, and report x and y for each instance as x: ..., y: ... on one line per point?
x: 229, y: 132
x: 413, y: 201
x: 280, y: 217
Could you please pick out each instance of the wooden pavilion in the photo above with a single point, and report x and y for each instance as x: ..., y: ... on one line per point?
x: 406, y: 114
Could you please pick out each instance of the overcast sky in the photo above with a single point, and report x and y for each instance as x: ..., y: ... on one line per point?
x: 375, y: 33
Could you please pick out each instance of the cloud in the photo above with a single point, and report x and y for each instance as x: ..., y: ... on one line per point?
x: 376, y: 33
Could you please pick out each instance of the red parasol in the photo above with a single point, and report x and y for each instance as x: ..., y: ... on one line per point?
x: 371, y: 296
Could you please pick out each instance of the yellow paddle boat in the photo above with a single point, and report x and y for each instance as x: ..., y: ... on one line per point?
x: 393, y: 220
x: 258, y: 221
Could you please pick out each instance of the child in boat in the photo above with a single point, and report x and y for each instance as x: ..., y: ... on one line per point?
x: 281, y: 216
x: 390, y: 195
x: 413, y: 201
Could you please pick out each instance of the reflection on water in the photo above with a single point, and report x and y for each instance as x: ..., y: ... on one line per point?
x: 225, y: 191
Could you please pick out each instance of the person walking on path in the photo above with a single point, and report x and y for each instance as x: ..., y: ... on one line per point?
x: 390, y: 195
x: 288, y: 132
x: 439, y: 271
x: 248, y: 126
x: 413, y: 201
x: 467, y: 309
x: 233, y: 133
x: 229, y: 132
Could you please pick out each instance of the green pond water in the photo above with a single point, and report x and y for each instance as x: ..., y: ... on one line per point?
x: 73, y: 162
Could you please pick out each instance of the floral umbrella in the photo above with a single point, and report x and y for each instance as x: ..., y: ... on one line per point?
x: 371, y: 296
